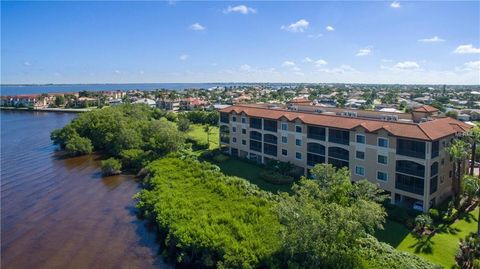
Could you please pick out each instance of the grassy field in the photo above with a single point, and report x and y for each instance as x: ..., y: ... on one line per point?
x: 198, y: 133
x: 439, y: 248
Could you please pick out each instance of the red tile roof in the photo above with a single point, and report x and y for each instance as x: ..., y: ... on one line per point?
x: 430, y: 130
x: 299, y: 101
x: 425, y: 109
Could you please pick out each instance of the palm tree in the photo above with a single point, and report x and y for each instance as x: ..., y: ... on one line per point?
x: 208, y: 129
x: 459, y: 153
x: 471, y: 188
x: 473, y: 137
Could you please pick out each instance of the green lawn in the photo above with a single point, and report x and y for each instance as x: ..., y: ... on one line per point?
x: 198, y: 133
x: 439, y: 248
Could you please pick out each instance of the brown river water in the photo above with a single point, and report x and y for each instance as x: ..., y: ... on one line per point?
x: 59, y: 212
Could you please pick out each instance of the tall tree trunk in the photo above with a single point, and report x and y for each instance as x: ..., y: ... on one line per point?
x: 472, y: 165
x: 478, y: 223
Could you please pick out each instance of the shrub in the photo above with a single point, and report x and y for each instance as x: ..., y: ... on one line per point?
x: 133, y: 158
x: 434, y: 214
x: 207, y: 219
x: 77, y: 145
x: 422, y: 222
x: 183, y: 124
x: 275, y: 177
x: 111, y: 167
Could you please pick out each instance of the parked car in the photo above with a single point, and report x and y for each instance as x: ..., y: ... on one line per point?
x: 418, y: 205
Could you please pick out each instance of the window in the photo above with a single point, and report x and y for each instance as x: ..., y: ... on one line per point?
x: 338, y: 153
x: 434, y: 169
x: 317, y: 133
x: 450, y: 174
x: 269, y: 125
x: 284, y: 152
x: 339, y: 136
x: 382, y: 159
x: 433, y: 184
x: 435, y: 148
x: 234, y: 140
x: 256, y: 123
x: 382, y: 176
x: 284, y: 140
x: 313, y: 159
x: 284, y: 126
x: 269, y: 149
x: 244, y: 120
x: 360, y: 155
x: 360, y: 139
x: 409, y: 183
x: 359, y: 171
x: 443, y: 161
x: 244, y: 142
x: 224, y: 117
x: 298, y: 142
x: 234, y: 129
x: 255, y: 135
x: 298, y: 155
x: 256, y: 145
x: 269, y: 138
x: 244, y: 131
x: 410, y: 168
x: 298, y: 129
x: 316, y: 148
x: 411, y: 148
x: 224, y: 134
x: 234, y: 118
x: 383, y: 142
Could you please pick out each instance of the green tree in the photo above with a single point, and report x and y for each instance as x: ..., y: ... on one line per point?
x: 473, y: 137
x: 471, y: 188
x: 459, y: 153
x: 452, y: 114
x: 468, y: 254
x: 111, y: 166
x: 208, y: 129
x: 183, y: 124
x: 324, y: 219
x: 59, y: 100
x: 78, y: 145
x: 61, y: 136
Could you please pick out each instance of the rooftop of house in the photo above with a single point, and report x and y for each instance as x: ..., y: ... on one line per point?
x: 425, y: 109
x: 431, y: 130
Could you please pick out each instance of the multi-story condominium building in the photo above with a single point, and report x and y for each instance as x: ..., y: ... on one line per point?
x: 404, y: 153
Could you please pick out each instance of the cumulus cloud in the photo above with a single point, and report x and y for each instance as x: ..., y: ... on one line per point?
x: 288, y: 64
x: 315, y: 36
x: 470, y: 66
x: 299, y: 26
x: 364, y: 52
x: 407, y: 65
x: 342, y: 69
x: 242, y: 9
x: 466, y: 49
x: 431, y: 40
x: 197, y: 27
x: 320, y: 62
x: 329, y: 28
x: 395, y: 4
x: 183, y: 57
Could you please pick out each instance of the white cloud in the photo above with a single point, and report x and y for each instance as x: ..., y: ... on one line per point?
x: 395, y: 4
x: 117, y: 72
x: 364, y: 52
x: 407, y: 65
x: 342, y: 69
x: 245, y: 67
x: 329, y: 28
x: 242, y: 9
x: 466, y: 49
x: 431, y: 40
x: 307, y: 60
x: 470, y: 66
x: 386, y: 60
x: 299, y: 26
x: 183, y: 57
x: 197, y: 27
x: 320, y: 62
x: 288, y: 64
x: 27, y: 63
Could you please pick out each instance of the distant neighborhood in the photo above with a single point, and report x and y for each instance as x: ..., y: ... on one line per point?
x: 461, y: 102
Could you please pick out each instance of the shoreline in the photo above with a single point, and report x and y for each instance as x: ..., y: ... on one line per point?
x: 61, y: 110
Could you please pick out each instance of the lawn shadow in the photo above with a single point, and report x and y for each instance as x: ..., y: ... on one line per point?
x: 423, y: 244
x: 393, y: 233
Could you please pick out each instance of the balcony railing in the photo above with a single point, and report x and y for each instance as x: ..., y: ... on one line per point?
x: 411, y: 153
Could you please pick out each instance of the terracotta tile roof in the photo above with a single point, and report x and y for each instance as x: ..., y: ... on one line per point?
x: 430, y: 130
x: 426, y: 109
x: 299, y: 101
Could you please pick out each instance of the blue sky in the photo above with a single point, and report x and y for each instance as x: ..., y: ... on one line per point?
x: 121, y: 42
